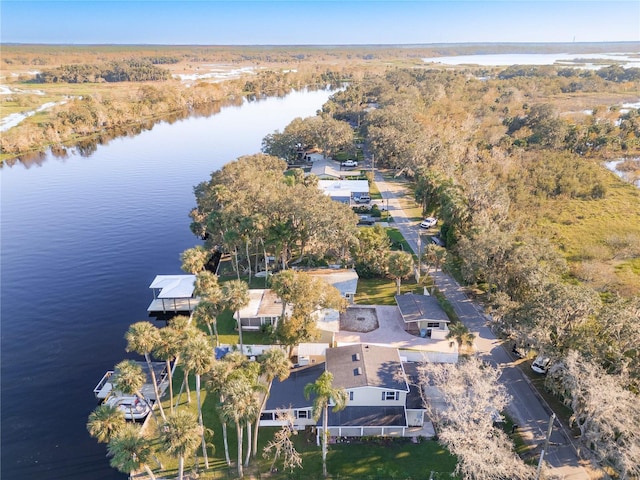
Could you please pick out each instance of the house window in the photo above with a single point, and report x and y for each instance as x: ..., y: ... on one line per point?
x: 433, y: 324
x: 351, y: 396
x: 302, y: 414
x: 390, y: 395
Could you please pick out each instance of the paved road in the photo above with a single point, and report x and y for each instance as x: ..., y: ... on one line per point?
x: 526, y: 408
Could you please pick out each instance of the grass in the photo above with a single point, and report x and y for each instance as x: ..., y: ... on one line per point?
x: 382, y: 291
x: 398, y: 241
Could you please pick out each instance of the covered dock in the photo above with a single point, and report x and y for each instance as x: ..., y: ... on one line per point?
x: 173, y: 293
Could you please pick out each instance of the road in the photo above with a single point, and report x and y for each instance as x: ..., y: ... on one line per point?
x: 528, y: 410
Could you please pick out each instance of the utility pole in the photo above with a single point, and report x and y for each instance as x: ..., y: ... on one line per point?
x: 546, y: 444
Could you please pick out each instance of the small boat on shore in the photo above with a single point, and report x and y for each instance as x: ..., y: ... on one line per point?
x: 132, y: 406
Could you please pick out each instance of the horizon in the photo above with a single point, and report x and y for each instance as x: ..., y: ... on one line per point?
x: 317, y: 22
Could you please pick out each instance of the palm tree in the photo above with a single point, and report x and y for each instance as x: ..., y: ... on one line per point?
x: 240, y: 406
x: 142, y: 338
x: 323, y: 391
x: 236, y: 293
x: 105, y: 422
x: 185, y: 330
x: 206, y: 314
x: 217, y: 379
x: 180, y: 436
x: 461, y: 334
x: 167, y: 349
x: 194, y: 259
x: 129, y: 378
x: 129, y: 451
x: 198, y: 358
x: 274, y: 363
x: 399, y: 266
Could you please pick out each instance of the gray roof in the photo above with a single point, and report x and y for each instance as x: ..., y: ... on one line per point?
x: 364, y: 365
x: 414, y: 399
x: 290, y: 392
x: 416, y: 308
x: 367, y: 417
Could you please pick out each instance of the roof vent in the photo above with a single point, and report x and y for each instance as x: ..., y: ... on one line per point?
x: 355, y: 357
x: 357, y: 371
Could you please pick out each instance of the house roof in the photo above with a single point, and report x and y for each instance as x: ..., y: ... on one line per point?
x: 414, y: 399
x: 363, y: 365
x: 262, y: 303
x: 174, y: 286
x: 416, y: 308
x: 367, y: 417
x: 325, y: 171
x: 344, y: 279
x: 290, y: 392
x: 351, y: 186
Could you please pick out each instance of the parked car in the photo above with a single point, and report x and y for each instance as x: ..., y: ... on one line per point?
x: 349, y: 163
x: 541, y: 365
x: 428, y: 222
x: 435, y: 239
x: 362, y: 198
x: 366, y: 220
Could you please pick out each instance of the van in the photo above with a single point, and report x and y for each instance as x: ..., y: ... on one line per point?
x: 364, y: 198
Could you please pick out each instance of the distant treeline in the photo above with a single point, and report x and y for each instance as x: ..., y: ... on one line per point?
x: 122, y: 71
x: 613, y: 73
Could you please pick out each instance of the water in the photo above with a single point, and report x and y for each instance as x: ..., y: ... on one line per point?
x: 82, y: 239
x: 569, y: 59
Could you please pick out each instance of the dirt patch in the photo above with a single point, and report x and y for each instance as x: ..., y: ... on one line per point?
x: 359, y: 319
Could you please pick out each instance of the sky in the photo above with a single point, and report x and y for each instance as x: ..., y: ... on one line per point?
x: 332, y: 22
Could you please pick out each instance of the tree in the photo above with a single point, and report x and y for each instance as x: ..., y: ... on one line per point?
x: 236, y: 293
x: 399, y: 266
x: 461, y: 334
x: 371, y: 251
x: 273, y: 364
x: 240, y: 406
x: 194, y: 260
x: 198, y: 358
x: 105, y: 422
x: 463, y: 401
x: 180, y: 436
x: 435, y: 255
x: 216, y: 381
x: 130, y: 450
x: 324, y: 392
x: 281, y: 444
x: 167, y: 349
x: 129, y: 378
x: 142, y: 338
x: 607, y: 414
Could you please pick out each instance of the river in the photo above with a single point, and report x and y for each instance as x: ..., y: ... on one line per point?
x: 82, y: 239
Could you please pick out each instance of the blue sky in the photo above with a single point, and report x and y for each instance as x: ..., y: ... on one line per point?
x: 210, y: 22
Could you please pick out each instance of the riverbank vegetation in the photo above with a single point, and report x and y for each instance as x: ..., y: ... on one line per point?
x: 530, y: 215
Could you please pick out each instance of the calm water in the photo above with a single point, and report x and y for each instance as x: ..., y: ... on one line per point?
x: 82, y: 239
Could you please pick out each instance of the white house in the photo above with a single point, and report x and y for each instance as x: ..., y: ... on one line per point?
x: 380, y: 400
x: 424, y: 313
x: 344, y: 190
x: 264, y: 308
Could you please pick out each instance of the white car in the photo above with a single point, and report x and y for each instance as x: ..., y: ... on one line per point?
x: 541, y: 365
x: 349, y: 163
x: 428, y: 222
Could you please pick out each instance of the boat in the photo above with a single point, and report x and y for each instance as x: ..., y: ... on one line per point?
x: 132, y: 406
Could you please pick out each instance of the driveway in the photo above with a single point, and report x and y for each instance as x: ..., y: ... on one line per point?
x: 527, y: 408
x: 391, y: 332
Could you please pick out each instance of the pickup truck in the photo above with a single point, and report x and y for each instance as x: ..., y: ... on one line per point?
x: 349, y: 163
